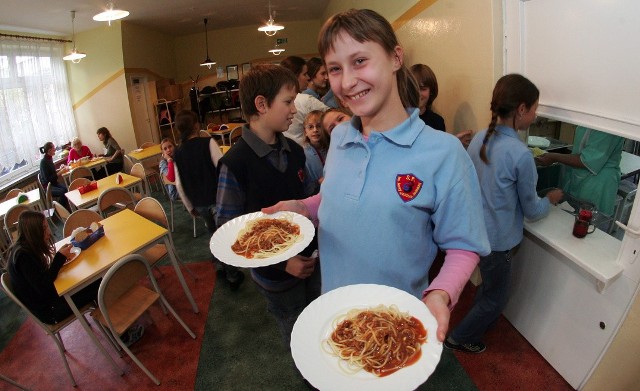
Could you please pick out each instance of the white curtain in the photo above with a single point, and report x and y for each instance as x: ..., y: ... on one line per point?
x: 35, y: 105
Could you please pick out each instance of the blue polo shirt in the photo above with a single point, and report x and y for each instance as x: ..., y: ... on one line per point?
x: 508, y: 185
x: 388, y: 204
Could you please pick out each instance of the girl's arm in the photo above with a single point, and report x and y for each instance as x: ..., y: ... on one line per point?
x: 307, y: 207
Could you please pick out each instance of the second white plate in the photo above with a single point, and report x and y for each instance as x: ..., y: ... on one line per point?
x: 226, y: 235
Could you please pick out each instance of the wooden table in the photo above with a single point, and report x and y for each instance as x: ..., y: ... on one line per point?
x: 88, y: 199
x: 34, y: 201
x: 146, y: 153
x: 220, y: 134
x: 96, y: 163
x: 125, y: 233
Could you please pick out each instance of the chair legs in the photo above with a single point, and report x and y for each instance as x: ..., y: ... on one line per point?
x: 13, y: 382
x: 61, y: 349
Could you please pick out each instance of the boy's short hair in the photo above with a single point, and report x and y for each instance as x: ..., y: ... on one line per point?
x: 265, y: 80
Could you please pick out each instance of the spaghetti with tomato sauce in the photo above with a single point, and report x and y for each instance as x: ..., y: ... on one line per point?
x: 263, y: 238
x: 380, y: 340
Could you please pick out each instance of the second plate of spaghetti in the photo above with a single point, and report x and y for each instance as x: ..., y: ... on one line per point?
x: 319, y: 322
x: 257, y: 239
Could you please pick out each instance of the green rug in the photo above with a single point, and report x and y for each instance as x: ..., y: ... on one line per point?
x: 241, y: 349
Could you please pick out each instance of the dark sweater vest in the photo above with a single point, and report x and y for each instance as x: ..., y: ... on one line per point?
x: 198, y: 175
x: 262, y: 183
x: 264, y: 186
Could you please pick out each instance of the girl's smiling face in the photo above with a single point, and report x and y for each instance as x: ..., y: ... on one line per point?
x: 363, y: 75
x: 332, y: 119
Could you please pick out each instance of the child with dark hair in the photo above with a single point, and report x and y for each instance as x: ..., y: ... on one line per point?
x: 508, y: 178
x: 428, y: 93
x: 317, y: 73
x: 112, y: 151
x: 304, y: 103
x: 197, y: 180
x: 262, y: 168
x: 49, y: 175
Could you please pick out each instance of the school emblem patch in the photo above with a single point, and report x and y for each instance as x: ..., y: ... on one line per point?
x: 408, y: 186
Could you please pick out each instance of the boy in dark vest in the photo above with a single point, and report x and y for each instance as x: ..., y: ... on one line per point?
x: 259, y: 170
x: 197, y: 179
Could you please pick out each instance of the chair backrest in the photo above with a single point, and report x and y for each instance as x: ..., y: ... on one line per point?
x: 60, y: 211
x: 80, y: 172
x: 11, y: 220
x: 115, y: 197
x: 204, y: 133
x: 8, y: 290
x: 76, y: 183
x: 147, y: 144
x: 120, y: 278
x: 138, y: 170
x: 48, y: 199
x: 151, y: 209
x: 80, y: 218
x: 12, y: 194
x: 235, y: 135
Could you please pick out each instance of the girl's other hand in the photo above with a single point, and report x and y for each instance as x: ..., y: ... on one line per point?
x: 289, y: 206
x: 438, y: 303
x: 66, y: 250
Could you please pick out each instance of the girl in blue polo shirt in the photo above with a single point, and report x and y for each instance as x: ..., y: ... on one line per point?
x: 394, y: 189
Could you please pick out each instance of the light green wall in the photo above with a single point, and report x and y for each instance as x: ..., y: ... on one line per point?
x: 143, y: 48
x: 389, y: 9
x: 103, y: 46
x: 240, y: 45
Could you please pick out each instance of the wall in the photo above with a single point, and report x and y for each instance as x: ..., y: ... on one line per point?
x: 456, y: 40
x: 98, y: 88
x: 391, y: 10
x: 239, y: 45
x: 149, y: 50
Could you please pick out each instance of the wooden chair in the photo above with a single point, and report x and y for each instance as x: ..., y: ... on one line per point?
x: 151, y: 169
x: 114, y: 200
x: 204, y: 133
x: 80, y: 218
x: 11, y: 220
x: 122, y: 300
x: 138, y: 170
x: 147, y: 144
x: 51, y: 330
x: 151, y: 209
x: 235, y: 134
x: 80, y: 172
x: 168, y: 182
x: 13, y: 193
x: 61, y: 212
x: 79, y: 182
x: 48, y: 211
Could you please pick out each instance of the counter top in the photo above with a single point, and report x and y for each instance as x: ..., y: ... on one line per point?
x: 597, y: 253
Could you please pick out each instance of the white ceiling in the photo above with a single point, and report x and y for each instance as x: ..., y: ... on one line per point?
x: 174, y: 17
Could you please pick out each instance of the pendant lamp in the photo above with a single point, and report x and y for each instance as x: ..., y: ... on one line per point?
x: 270, y: 28
x: 276, y: 50
x: 75, y: 56
x: 207, y: 62
x: 110, y: 14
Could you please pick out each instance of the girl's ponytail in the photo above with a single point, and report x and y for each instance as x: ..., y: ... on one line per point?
x: 490, y: 131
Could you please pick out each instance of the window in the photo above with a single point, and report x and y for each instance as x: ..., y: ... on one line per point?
x: 35, y: 105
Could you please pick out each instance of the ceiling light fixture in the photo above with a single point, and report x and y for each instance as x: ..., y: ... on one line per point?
x: 207, y: 62
x: 75, y: 56
x: 110, y: 14
x: 276, y: 50
x: 270, y: 28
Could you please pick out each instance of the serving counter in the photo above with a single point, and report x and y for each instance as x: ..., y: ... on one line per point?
x: 569, y: 296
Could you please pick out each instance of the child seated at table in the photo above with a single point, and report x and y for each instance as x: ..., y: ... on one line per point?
x: 33, y: 266
x: 166, y: 166
x: 262, y: 168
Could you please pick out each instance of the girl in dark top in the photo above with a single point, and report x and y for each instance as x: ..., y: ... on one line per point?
x: 49, y: 174
x: 33, y: 267
x: 428, y: 93
x: 112, y: 151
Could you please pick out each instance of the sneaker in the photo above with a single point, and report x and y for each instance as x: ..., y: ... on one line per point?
x: 478, y: 347
x: 234, y: 285
x: 133, y: 334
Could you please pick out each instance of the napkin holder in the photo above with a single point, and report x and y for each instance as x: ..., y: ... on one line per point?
x: 89, y: 240
x: 88, y: 187
x: 119, y: 179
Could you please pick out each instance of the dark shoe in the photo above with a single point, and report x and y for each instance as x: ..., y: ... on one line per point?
x: 465, y: 347
x: 234, y: 285
x: 133, y: 334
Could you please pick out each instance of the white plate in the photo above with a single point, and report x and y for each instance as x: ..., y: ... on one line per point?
x: 540, y: 142
x: 226, y: 235
x: 75, y: 251
x: 316, y: 323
